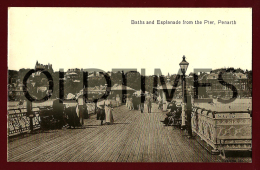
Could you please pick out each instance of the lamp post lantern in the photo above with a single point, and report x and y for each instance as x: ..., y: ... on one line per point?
x: 184, y: 65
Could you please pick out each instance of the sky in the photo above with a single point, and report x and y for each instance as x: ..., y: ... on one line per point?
x: 104, y: 38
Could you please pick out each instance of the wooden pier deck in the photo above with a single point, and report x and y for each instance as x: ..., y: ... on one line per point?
x: 134, y: 137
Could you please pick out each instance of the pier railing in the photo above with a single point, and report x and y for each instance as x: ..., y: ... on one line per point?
x: 19, y: 121
x: 223, y: 130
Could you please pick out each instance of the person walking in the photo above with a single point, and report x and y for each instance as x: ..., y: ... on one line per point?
x: 135, y: 105
x: 80, y: 111
x: 141, y: 100
x: 131, y: 106
x: 108, y: 111
x: 160, y: 104
x: 127, y: 102
x: 142, y: 107
x: 101, y: 113
x: 118, y: 101
x: 149, y: 105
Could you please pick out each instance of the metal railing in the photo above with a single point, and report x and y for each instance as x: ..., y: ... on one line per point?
x: 19, y: 121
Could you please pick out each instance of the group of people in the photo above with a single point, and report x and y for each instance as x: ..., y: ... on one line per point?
x: 73, y: 116
x: 135, y: 103
x: 174, y: 114
x: 69, y: 116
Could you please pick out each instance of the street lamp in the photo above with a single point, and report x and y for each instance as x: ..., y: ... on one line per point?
x: 184, y: 65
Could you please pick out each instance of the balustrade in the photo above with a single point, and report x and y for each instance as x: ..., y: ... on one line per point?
x: 235, y: 128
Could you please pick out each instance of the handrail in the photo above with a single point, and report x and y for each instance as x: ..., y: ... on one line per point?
x: 221, y: 112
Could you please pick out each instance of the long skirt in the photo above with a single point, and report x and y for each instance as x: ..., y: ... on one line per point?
x: 130, y: 105
x: 101, y: 114
x: 109, y: 116
x: 73, y: 119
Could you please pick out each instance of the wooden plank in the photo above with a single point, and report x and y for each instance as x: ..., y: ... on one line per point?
x: 142, y: 138
x: 126, y: 142
x: 136, y: 143
x: 101, y: 141
x: 111, y: 149
x: 165, y: 146
x: 152, y: 138
x: 113, y: 156
x: 133, y: 135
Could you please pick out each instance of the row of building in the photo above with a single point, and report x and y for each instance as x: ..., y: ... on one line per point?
x: 242, y: 81
x: 39, y: 83
x: 221, y: 83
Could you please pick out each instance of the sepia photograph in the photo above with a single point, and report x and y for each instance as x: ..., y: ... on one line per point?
x: 129, y: 85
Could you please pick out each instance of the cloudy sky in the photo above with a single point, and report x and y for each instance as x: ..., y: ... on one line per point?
x: 104, y: 38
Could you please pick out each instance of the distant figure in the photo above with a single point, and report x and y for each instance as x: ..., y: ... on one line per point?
x: 118, y: 101
x: 141, y: 99
x: 131, y: 106
x: 101, y: 115
x: 108, y: 111
x: 85, y: 111
x: 58, y: 109
x: 73, y: 119
x: 172, y: 106
x: 20, y: 102
x: 135, y: 102
x: 160, y: 104
x: 127, y: 102
x: 142, y: 107
x: 149, y: 104
x: 80, y: 113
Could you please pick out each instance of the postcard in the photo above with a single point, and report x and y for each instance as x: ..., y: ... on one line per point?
x: 129, y: 85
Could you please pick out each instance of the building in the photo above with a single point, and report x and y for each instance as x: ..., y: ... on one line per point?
x: 238, y: 80
x: 40, y: 67
x: 74, y: 75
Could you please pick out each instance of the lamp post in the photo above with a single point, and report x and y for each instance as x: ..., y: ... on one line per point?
x: 184, y: 65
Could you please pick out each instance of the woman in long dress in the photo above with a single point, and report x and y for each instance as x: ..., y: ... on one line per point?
x: 131, y: 106
x: 126, y: 103
x: 109, y: 114
x: 73, y: 119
